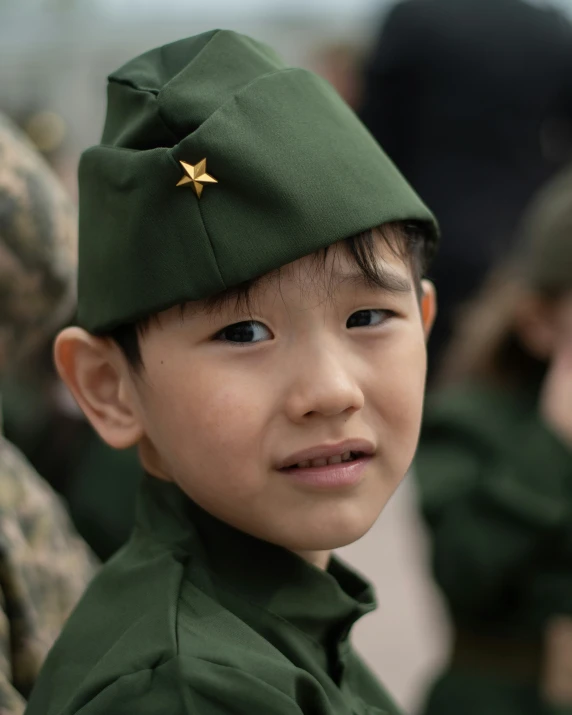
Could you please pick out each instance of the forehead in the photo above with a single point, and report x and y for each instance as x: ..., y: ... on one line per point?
x: 323, y: 275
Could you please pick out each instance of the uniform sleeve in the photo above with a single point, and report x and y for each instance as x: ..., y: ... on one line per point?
x: 390, y: 76
x: 214, y: 689
x: 491, y: 505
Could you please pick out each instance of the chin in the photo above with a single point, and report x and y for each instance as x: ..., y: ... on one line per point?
x: 332, y: 531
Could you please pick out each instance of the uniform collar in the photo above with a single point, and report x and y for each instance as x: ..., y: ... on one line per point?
x: 322, y: 604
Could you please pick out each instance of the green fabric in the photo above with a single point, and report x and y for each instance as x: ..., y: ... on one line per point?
x: 545, y: 247
x: 194, y: 617
x: 296, y: 172
x: 102, y: 494
x: 496, y: 490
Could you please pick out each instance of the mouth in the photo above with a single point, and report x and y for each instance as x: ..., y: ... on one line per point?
x: 349, y: 450
x: 343, y: 458
x: 329, y: 466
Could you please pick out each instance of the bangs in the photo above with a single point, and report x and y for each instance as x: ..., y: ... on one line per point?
x: 407, y: 241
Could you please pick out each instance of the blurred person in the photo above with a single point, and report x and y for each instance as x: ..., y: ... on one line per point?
x: 494, y: 469
x: 472, y: 99
x: 44, y: 565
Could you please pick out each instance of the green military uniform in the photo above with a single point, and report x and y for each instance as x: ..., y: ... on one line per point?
x: 496, y: 490
x: 193, y: 616
x: 44, y: 566
x: 217, y: 165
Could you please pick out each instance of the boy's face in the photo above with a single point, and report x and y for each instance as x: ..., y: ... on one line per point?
x: 323, y: 364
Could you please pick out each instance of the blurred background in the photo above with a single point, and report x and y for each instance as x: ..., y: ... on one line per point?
x: 54, y: 59
x: 55, y: 54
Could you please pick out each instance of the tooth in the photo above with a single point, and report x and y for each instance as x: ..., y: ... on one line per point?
x: 335, y: 460
x: 303, y: 465
x: 319, y: 462
x: 346, y: 456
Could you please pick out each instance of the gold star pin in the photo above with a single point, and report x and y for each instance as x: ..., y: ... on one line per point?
x: 196, y: 176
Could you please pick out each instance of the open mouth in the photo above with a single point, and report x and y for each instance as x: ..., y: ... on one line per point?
x: 324, y: 461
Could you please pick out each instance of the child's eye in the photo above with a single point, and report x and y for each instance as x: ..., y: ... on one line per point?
x: 248, y: 331
x: 369, y: 317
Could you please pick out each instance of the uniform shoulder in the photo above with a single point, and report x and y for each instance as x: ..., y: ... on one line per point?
x: 123, y: 625
x: 195, y: 687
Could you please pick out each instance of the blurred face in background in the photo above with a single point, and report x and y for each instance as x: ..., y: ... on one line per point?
x: 544, y: 324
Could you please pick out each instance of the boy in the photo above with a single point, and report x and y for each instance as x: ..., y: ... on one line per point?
x: 247, y: 324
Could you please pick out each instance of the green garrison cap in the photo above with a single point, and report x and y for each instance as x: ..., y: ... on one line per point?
x: 218, y: 164
x: 546, y: 236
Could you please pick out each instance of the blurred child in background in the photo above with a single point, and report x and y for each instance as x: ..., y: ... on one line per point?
x: 495, y: 474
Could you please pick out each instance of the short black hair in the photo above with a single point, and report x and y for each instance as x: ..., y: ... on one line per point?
x: 410, y: 241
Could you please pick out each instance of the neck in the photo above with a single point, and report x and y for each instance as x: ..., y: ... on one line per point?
x: 319, y: 559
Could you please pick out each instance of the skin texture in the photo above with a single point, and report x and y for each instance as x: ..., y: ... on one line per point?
x: 218, y: 417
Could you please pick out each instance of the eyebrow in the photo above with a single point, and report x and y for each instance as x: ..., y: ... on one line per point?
x: 386, y: 280
x: 238, y: 298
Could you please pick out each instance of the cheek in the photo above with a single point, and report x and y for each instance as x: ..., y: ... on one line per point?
x: 398, y: 386
x: 204, y: 422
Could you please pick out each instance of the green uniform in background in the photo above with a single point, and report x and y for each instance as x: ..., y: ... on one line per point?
x: 496, y: 490
x: 193, y: 616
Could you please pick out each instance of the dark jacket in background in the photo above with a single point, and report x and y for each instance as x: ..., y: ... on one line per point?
x: 472, y: 99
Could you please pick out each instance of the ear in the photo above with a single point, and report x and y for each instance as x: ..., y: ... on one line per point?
x: 428, y: 306
x: 97, y: 374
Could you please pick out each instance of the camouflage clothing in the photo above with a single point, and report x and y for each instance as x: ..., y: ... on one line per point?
x: 44, y: 569
x: 44, y: 566
x: 38, y: 248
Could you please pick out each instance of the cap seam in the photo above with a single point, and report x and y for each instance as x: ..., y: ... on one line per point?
x: 230, y: 99
x: 155, y: 93
x: 172, y: 158
x: 225, y: 287
x: 129, y: 83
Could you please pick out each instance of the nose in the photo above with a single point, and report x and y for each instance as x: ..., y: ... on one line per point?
x: 324, y: 384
